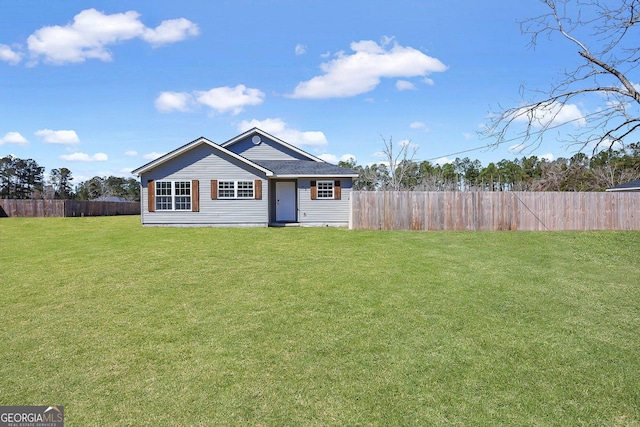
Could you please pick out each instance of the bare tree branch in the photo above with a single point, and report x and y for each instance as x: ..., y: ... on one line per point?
x: 399, y: 162
x: 605, y: 32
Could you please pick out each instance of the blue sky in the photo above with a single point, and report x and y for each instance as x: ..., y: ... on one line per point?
x: 102, y: 87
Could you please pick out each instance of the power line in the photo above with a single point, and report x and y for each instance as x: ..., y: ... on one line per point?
x: 518, y: 138
x: 458, y: 152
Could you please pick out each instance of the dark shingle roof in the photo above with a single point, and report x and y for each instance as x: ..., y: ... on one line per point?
x: 303, y: 168
x: 633, y: 185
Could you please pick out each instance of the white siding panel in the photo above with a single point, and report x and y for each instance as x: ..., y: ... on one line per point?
x: 330, y: 212
x: 204, y: 164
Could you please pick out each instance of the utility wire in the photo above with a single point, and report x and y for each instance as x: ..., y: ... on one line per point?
x: 515, y: 138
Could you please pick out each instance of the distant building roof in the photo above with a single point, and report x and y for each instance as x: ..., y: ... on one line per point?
x: 110, y: 199
x: 627, y: 186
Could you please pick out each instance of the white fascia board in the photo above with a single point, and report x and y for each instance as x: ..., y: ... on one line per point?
x: 623, y: 189
x: 170, y: 155
x: 175, y: 153
x: 278, y: 140
x: 315, y: 176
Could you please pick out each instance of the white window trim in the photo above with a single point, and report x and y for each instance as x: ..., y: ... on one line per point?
x: 173, y: 196
x: 222, y: 190
x: 250, y: 188
x: 236, y: 189
x: 333, y: 193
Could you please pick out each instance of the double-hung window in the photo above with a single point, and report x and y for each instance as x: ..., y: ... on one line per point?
x: 244, y: 189
x: 173, y: 195
x: 226, y: 190
x: 236, y: 189
x: 325, y: 190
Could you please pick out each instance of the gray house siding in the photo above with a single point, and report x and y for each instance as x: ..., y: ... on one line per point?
x: 265, y: 150
x: 324, y: 212
x: 204, y: 163
x: 253, y: 156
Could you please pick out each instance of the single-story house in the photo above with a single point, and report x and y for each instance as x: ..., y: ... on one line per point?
x: 627, y: 186
x: 254, y: 179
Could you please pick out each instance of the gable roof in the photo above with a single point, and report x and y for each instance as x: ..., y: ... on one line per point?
x: 306, y: 168
x: 195, y: 143
x: 314, y: 167
x: 260, y: 132
x: 627, y: 186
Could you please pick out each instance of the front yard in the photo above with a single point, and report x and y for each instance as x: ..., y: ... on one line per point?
x: 125, y: 325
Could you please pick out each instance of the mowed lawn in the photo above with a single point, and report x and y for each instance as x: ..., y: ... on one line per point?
x: 133, y: 326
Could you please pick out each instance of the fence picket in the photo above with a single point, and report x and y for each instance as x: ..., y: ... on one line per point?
x: 65, y: 208
x: 457, y: 210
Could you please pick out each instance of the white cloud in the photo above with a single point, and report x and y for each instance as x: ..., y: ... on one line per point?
x: 405, y: 85
x: 13, y: 138
x: 222, y: 99
x: 517, y: 148
x: 300, y: 49
x: 332, y: 158
x: 82, y: 157
x: 406, y: 143
x: 362, y: 71
x: 555, y: 114
x: 171, y: 31
x: 234, y: 99
x: 278, y: 128
x: 173, y: 101
x: 92, y: 31
x: 152, y: 156
x: 9, y: 55
x: 417, y: 125
x: 618, y: 105
x: 63, y: 137
x: 596, y: 145
x: 131, y: 153
x: 468, y: 135
x: 443, y: 161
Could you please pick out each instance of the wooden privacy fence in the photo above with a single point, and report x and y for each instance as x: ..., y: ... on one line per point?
x: 459, y: 210
x: 65, y: 208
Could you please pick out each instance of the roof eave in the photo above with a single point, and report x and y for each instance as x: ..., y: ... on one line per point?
x: 623, y: 189
x: 202, y: 140
x: 315, y: 176
x: 274, y: 138
x: 170, y: 155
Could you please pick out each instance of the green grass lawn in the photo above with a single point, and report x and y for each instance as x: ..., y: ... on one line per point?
x: 125, y: 325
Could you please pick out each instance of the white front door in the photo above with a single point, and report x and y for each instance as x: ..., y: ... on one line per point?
x: 285, y: 201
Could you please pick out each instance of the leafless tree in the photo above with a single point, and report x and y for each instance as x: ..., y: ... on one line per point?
x: 607, y: 176
x: 605, y: 33
x: 400, y: 162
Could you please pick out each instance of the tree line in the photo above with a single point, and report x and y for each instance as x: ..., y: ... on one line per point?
x: 25, y: 179
x: 577, y: 173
